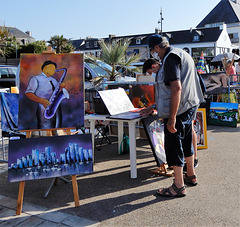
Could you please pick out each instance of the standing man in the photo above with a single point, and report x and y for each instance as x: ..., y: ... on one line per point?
x: 40, y: 89
x: 178, y: 93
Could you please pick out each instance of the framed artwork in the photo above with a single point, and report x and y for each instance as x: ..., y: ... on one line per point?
x: 224, y: 114
x: 142, y: 95
x: 155, y: 133
x: 47, y: 157
x: 200, y: 127
x: 51, y: 93
x: 9, y: 112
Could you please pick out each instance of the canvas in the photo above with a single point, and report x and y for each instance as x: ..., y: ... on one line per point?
x: 9, y: 112
x: 155, y: 132
x: 47, y: 157
x: 224, y: 114
x: 142, y: 95
x: 51, y: 91
x: 200, y: 127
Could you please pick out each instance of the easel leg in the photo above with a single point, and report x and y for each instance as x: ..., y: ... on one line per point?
x: 162, y: 171
x: 75, y: 190
x: 54, y: 182
x: 21, y: 187
x: 20, y: 197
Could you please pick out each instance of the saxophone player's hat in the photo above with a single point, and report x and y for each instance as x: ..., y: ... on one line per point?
x: 48, y: 63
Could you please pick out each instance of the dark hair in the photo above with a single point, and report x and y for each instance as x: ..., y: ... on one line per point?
x: 148, y: 64
x: 48, y: 63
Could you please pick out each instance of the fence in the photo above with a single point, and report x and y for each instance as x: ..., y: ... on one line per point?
x: 9, y: 61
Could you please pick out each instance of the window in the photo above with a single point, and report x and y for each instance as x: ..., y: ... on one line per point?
x: 87, y: 74
x: 87, y: 44
x: 95, y: 43
x: 136, y: 51
x: 195, y: 38
x: 214, y: 25
x: 208, y: 52
x: 138, y: 41
x: 234, y: 37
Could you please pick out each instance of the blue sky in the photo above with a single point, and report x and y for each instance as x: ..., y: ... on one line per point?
x: 98, y: 18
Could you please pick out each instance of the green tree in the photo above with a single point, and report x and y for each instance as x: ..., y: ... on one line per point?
x: 5, y: 40
x: 36, y: 47
x: 39, y: 46
x: 68, y: 48
x: 60, y: 44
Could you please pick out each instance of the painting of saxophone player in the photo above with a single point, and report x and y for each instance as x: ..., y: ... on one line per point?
x: 40, y: 89
x: 51, y: 91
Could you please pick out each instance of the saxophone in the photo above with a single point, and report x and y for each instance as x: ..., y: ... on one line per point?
x: 57, y: 96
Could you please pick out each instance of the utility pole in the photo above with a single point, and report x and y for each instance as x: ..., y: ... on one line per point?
x: 160, y: 20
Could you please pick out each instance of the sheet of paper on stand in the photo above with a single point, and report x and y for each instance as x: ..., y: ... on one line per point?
x: 118, y: 104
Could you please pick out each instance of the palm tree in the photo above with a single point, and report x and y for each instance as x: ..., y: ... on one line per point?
x: 114, y: 53
x: 58, y: 43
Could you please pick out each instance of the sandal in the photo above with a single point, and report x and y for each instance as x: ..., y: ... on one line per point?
x: 189, y: 179
x: 167, y: 193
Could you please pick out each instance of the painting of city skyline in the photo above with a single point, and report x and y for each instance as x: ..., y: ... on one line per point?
x: 51, y: 92
x: 47, y: 157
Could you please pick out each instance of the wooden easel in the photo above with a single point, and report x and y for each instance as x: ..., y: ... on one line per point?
x: 163, y: 171
x: 49, y: 133
x: 22, y: 183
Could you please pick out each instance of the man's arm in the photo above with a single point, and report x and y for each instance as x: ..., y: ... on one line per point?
x: 35, y: 98
x: 176, y: 89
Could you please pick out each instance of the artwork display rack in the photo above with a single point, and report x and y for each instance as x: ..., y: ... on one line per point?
x: 50, y: 132
x: 22, y: 183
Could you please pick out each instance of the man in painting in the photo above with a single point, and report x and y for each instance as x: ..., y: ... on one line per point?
x: 40, y: 89
x: 178, y: 93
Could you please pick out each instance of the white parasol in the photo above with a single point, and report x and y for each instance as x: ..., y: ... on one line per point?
x: 228, y: 56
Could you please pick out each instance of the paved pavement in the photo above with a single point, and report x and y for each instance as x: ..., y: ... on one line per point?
x: 34, y: 215
x: 108, y: 197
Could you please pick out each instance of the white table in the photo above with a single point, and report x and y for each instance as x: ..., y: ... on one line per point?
x: 132, y: 136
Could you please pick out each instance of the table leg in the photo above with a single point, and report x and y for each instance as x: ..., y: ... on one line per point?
x: 92, y: 130
x: 133, y: 155
x: 120, y: 134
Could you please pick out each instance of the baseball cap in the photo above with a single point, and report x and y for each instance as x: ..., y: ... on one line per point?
x: 154, y: 40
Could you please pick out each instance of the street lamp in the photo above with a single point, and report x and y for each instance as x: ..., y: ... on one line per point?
x: 16, y: 49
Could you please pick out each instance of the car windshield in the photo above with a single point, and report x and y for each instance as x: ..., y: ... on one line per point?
x: 8, y: 72
x: 100, y: 70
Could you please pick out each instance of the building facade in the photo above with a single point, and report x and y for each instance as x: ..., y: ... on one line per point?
x: 228, y: 12
x: 21, y: 37
x: 212, y: 35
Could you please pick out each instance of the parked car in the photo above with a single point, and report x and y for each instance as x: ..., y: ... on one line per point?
x: 92, y: 71
x: 7, y: 76
x: 130, y: 71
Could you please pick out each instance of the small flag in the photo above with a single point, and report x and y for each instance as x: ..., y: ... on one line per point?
x: 200, y: 65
